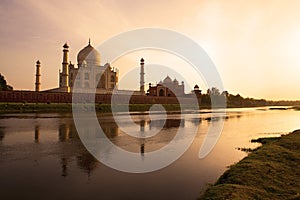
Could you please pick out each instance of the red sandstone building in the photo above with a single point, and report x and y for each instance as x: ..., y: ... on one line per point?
x: 167, y: 88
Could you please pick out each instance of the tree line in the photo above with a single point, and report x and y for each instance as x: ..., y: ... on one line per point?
x: 214, y: 94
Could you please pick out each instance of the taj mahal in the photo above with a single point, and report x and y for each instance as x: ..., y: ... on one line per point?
x: 93, y: 75
x: 102, y: 78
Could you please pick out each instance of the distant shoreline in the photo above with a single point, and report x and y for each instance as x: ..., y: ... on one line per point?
x: 7, y: 108
x: 269, y: 172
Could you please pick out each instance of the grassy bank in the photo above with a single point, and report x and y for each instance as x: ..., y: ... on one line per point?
x: 102, y: 108
x: 270, y: 172
x: 67, y: 107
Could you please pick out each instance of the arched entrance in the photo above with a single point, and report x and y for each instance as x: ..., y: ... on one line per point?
x: 161, y: 92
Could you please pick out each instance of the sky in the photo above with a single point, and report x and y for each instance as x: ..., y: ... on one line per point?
x: 255, y: 45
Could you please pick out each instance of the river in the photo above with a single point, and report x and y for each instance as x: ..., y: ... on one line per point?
x: 42, y: 157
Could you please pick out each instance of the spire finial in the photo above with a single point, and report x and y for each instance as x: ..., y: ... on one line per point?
x: 66, y: 45
x: 89, y: 41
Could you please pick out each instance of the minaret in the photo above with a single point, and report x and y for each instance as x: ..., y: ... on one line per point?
x: 142, y: 75
x: 38, y: 76
x: 65, y: 69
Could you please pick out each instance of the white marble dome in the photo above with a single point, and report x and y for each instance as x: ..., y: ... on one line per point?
x: 90, y: 55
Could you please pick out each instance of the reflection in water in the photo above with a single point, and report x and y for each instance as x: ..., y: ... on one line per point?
x: 63, y: 132
x: 72, y: 147
x: 169, y: 123
x: 36, y: 134
x: 144, y: 123
x: 64, y: 166
x: 67, y: 134
x: 87, y: 162
x: 142, y: 129
x: 57, y: 158
x: 110, y: 128
x: 142, y: 126
x: 196, y: 121
x: 142, y: 149
x: 2, y: 133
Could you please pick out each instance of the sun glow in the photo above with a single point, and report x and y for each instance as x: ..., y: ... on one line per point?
x: 254, y: 44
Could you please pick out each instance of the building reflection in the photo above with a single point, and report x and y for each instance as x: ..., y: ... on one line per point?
x: 110, y: 132
x: 166, y: 132
x: 87, y: 162
x: 64, y: 166
x: 36, y: 134
x: 2, y: 134
x: 142, y: 130
x: 142, y: 149
x: 142, y: 126
x: 63, y: 132
x: 72, y: 149
x: 168, y: 123
x: 196, y: 121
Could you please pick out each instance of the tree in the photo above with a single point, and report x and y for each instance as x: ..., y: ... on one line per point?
x: 3, y: 84
x: 213, y: 91
x: 225, y: 93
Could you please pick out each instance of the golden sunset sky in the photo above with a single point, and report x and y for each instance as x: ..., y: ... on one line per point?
x: 255, y: 44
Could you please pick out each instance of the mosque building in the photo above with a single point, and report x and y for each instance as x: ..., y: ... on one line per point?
x: 167, y: 88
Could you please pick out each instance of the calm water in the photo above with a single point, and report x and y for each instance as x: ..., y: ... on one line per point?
x: 42, y: 157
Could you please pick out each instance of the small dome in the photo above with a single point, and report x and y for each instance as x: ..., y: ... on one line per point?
x: 196, y: 87
x: 90, y: 55
x: 142, y: 60
x: 167, y: 80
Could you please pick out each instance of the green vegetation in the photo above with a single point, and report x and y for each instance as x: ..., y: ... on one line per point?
x: 67, y: 107
x: 3, y: 84
x: 34, y: 107
x: 270, y: 172
x: 103, y: 108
